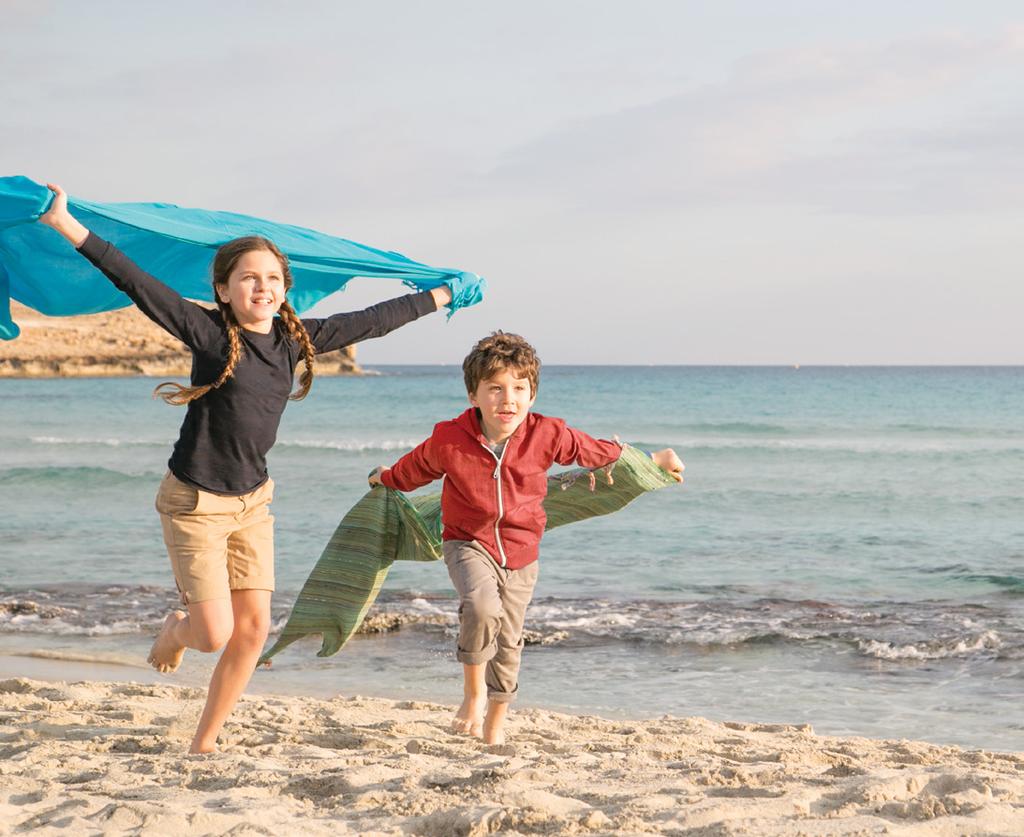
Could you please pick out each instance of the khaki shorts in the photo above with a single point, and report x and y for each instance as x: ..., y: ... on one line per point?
x: 217, y: 543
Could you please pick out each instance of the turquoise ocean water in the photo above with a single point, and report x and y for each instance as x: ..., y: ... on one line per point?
x: 848, y: 550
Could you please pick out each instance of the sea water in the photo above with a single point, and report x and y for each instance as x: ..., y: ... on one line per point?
x: 847, y: 550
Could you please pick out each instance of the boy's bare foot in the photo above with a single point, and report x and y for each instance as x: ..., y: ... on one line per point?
x: 166, y: 653
x: 470, y: 717
x: 494, y: 723
x: 493, y: 736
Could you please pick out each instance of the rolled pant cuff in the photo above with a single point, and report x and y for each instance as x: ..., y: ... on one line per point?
x: 475, y: 658
x: 502, y: 697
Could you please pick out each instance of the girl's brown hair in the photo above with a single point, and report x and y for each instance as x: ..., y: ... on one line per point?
x: 223, y: 263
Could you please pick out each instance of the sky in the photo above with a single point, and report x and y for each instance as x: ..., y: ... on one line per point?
x: 670, y: 182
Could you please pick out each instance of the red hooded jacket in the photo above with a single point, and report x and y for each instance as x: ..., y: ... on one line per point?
x: 497, y: 502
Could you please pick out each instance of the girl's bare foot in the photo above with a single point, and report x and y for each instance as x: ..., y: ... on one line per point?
x: 166, y: 653
x: 199, y: 748
x: 470, y: 717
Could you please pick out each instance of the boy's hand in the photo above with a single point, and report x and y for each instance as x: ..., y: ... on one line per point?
x: 668, y: 461
x: 607, y: 471
x: 374, y: 478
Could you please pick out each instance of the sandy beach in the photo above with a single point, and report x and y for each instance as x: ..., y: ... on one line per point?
x: 109, y: 758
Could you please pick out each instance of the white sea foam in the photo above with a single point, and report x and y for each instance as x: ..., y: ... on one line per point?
x: 595, y: 622
x: 315, y: 444
x: 423, y: 606
x: 988, y: 641
x: 94, y: 441
x: 351, y: 444
x: 859, y: 446
x: 34, y: 623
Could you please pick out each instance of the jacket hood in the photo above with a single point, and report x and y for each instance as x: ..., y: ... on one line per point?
x: 469, y: 422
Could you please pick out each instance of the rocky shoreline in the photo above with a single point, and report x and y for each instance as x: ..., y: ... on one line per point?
x: 112, y: 344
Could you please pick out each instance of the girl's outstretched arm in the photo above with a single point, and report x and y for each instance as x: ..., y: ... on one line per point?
x: 58, y: 217
x: 344, y: 329
x: 340, y: 330
x: 163, y: 305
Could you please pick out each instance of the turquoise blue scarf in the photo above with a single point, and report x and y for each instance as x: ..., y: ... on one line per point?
x: 40, y: 269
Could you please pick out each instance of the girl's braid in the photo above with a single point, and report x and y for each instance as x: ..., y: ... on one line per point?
x: 234, y: 346
x: 178, y: 395
x: 298, y: 333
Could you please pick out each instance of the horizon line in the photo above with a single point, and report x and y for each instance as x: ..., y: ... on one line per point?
x: 794, y: 366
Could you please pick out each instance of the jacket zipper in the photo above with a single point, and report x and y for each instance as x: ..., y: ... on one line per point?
x: 501, y: 505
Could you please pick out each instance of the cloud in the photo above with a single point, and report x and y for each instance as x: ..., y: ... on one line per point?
x: 835, y: 129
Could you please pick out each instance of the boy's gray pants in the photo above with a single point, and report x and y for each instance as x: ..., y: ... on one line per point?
x: 492, y: 607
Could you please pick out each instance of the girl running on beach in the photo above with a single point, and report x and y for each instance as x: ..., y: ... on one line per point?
x: 214, y: 501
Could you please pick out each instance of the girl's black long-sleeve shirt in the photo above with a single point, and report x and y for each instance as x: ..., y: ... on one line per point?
x: 224, y: 440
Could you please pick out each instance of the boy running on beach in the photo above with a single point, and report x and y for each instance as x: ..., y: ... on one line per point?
x: 494, y: 458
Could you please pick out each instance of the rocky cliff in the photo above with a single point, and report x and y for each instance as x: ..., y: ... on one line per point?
x: 115, y: 343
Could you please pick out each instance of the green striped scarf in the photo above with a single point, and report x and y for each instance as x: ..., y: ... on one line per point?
x: 386, y: 526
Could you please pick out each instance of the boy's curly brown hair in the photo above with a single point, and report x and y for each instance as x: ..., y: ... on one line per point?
x: 497, y: 352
